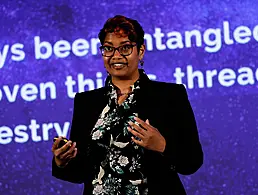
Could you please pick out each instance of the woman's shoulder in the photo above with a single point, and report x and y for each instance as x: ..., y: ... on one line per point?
x: 164, y: 86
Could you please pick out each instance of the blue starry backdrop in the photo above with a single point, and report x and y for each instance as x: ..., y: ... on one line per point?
x: 49, y: 51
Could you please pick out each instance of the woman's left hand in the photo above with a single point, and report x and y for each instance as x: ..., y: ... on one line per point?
x: 150, y: 137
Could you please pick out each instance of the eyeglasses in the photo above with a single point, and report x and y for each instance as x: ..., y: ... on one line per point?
x: 124, y: 50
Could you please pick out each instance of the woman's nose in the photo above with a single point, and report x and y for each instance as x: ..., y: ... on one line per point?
x: 117, y: 54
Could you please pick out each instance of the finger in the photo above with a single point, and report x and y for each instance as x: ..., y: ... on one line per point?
x: 75, y: 153
x: 135, y: 133
x: 63, y: 149
x: 146, y: 124
x: 142, y: 123
x: 68, y: 152
x: 70, y: 156
x: 55, y: 144
x: 140, y: 143
x: 67, y: 156
x: 137, y: 128
x: 71, y: 150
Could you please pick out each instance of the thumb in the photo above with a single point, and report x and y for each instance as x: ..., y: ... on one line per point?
x: 148, y: 123
x: 55, y: 144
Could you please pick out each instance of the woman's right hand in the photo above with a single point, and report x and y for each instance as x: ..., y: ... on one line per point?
x: 64, y: 154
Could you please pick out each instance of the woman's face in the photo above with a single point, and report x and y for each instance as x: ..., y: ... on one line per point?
x: 118, y: 66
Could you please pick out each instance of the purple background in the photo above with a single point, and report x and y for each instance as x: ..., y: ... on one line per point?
x: 227, y: 117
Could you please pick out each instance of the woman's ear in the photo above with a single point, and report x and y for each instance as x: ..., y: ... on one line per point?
x: 142, y: 51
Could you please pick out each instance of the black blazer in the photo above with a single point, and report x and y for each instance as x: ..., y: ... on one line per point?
x: 167, y: 107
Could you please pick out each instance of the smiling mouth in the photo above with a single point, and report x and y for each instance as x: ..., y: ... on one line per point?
x: 118, y: 65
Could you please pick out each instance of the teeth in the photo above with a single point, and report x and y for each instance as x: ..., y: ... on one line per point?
x: 118, y: 65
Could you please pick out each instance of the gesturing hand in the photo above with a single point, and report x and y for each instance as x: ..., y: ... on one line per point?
x: 151, y: 138
x: 64, y: 154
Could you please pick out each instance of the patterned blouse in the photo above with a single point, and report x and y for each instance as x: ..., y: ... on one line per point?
x: 120, y: 169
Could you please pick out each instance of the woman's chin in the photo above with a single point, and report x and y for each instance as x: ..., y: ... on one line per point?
x: 119, y: 74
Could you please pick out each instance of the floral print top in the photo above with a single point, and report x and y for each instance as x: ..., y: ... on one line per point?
x: 120, y: 169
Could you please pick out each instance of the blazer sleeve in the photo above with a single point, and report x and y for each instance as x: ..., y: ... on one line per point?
x: 183, y: 149
x: 75, y: 171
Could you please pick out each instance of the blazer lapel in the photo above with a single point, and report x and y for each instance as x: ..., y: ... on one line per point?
x: 99, y: 101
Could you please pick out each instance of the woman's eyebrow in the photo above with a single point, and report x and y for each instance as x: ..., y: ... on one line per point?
x: 108, y: 42
x: 123, y: 42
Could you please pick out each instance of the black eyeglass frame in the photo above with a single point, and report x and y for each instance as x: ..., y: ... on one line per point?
x: 117, y: 48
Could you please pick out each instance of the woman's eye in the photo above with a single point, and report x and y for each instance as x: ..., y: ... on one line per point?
x: 126, y: 47
x: 107, y: 48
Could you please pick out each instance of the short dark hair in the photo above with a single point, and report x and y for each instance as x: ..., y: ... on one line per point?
x: 124, y: 26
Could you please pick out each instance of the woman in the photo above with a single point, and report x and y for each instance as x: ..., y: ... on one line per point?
x: 134, y: 135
